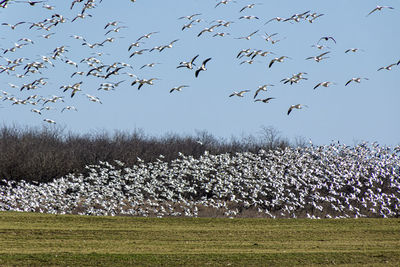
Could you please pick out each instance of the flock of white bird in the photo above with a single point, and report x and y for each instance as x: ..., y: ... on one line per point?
x: 334, y: 181
x: 316, y: 182
x: 34, y: 69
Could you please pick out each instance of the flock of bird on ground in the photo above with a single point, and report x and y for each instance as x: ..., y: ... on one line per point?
x: 334, y: 181
x: 103, y: 71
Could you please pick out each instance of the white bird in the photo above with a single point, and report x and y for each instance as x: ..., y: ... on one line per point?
x: 249, y: 6
x: 189, y: 64
x: 262, y: 88
x: 319, y: 57
x: 13, y: 26
x: 248, y: 37
x: 202, y: 67
x: 277, y: 59
x: 298, y: 106
x: 357, y: 80
x: 168, y: 45
x: 276, y: 18
x: 115, y: 30
x: 178, y: 88
x: 70, y: 62
x: 49, y: 121
x: 147, y: 36
x: 223, y: 2
x: 325, y: 84
x: 111, y: 23
x: 135, y: 44
x: 268, y: 37
x: 77, y: 73
x: 221, y: 34
x: 69, y: 108
x: 388, y: 67
x: 150, y: 65
x: 81, y: 16
x: 320, y: 46
x: 379, y: 8
x: 240, y: 93
x: 36, y: 111
x: 353, y: 50
x: 248, y: 17
x: 190, y: 17
x: 265, y: 100
x: 326, y: 38
x: 210, y: 29
x: 138, y: 52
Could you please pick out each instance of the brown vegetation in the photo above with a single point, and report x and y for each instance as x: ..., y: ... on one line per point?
x: 42, y: 154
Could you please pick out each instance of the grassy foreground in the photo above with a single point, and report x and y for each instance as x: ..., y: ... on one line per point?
x: 31, y: 239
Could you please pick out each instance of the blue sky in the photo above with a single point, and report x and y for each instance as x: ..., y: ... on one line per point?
x: 366, y: 111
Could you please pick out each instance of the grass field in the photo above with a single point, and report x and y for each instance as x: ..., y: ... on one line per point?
x: 31, y: 239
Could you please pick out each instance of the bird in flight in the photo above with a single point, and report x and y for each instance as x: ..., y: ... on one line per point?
x: 249, y: 6
x: 326, y: 38
x: 265, y: 100
x: 49, y: 121
x: 223, y: 2
x: 277, y: 59
x: 13, y: 26
x: 298, y: 106
x: 248, y: 37
x: 262, y: 88
x: 324, y: 84
x: 379, y: 8
x: 32, y: 3
x: 190, y: 17
x: 178, y: 88
x: 388, y: 67
x: 319, y: 57
x: 248, y: 17
x: 147, y: 36
x: 188, y: 65
x: 353, y: 50
x: 276, y: 18
x: 202, y: 67
x: 357, y: 80
x: 239, y: 94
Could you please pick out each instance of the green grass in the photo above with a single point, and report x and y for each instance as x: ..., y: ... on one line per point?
x: 31, y: 239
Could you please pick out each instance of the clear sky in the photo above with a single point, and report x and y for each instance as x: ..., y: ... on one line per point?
x: 365, y: 111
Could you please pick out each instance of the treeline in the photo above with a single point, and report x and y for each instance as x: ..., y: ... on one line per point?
x: 42, y: 154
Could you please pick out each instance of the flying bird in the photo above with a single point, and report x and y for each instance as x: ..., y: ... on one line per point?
x: 249, y: 6
x: 31, y: 3
x: 298, y: 106
x: 147, y: 36
x: 202, y: 67
x: 262, y: 88
x: 248, y: 37
x: 265, y: 100
x: 357, y: 80
x: 188, y: 65
x: 379, y: 8
x: 353, y: 50
x: 277, y: 59
x: 276, y: 18
x: 324, y: 84
x: 13, y: 26
x: 319, y: 57
x: 178, y: 88
x: 49, y: 121
x: 190, y: 17
x: 239, y: 94
x: 388, y: 67
x: 326, y: 38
